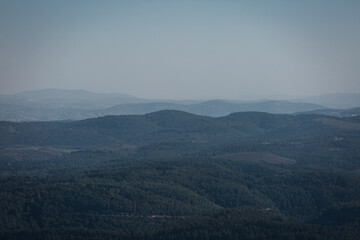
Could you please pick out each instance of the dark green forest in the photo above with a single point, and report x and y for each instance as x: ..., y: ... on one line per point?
x: 174, y: 175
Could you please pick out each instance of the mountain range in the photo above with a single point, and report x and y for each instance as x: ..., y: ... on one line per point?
x: 57, y: 105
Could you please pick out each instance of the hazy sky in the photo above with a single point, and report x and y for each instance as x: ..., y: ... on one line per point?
x: 181, y: 49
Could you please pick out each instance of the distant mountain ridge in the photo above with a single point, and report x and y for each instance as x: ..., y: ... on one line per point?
x: 64, y: 93
x: 61, y: 98
x: 57, y: 104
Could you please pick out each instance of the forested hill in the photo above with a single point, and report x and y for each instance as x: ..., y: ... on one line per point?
x: 176, y: 175
x: 173, y: 126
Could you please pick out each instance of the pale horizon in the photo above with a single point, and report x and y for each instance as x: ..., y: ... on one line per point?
x: 181, y: 49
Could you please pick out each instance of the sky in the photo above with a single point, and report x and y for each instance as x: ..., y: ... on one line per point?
x: 185, y: 49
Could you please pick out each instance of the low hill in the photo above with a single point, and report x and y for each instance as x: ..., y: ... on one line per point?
x: 217, y: 108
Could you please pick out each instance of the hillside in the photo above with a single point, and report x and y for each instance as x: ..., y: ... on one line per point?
x: 136, y: 199
x: 177, y: 175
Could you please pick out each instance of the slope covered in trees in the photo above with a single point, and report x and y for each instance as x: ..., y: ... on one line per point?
x: 174, y: 175
x: 143, y: 196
